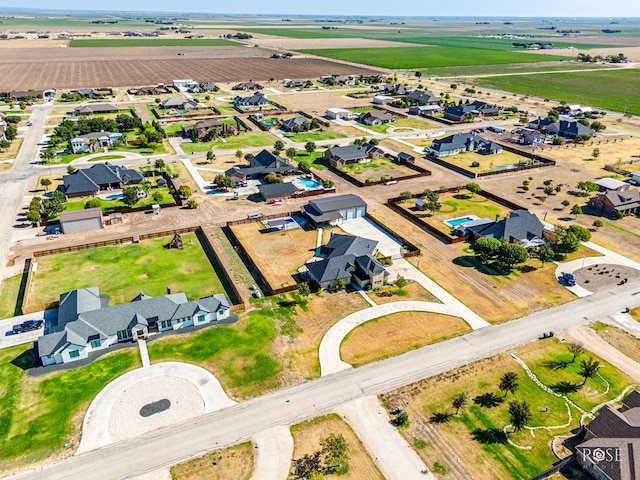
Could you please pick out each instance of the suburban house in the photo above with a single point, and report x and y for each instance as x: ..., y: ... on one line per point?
x: 383, y: 100
x: 295, y: 123
x: 102, y: 176
x: 607, y: 184
x: 250, y: 85
x: 208, y: 87
x: 335, y: 210
x: 568, y: 129
x: 404, y: 157
x: 340, y: 156
x: 86, y: 323
x: 339, y: 114
x: 81, y: 220
x: 614, y: 201
x: 209, y: 128
x: 186, y: 85
x: 257, y: 100
x: 463, y: 142
x: 91, y: 142
x: 93, y: 92
x: 463, y: 112
x: 425, y: 110
x: 612, y: 447
x: 23, y: 95
x: 539, y: 123
x: 521, y: 226
x: 351, y: 260
x: 376, y: 118
x: 528, y: 136
x: 149, y: 91
x: 422, y: 97
x: 272, y: 191
x: 635, y: 178
x: 94, y: 108
x: 337, y: 80
x: 397, y: 89
x: 179, y: 103
x: 263, y: 164
x: 294, y: 83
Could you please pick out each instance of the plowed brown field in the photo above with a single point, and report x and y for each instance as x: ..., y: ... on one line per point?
x: 22, y: 69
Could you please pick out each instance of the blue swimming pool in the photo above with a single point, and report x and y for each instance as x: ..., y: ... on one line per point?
x: 307, y: 183
x: 269, y: 122
x: 454, y: 222
x: 115, y: 196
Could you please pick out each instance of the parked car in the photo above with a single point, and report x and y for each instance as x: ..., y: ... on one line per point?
x: 27, y: 326
x: 569, y: 279
x: 253, y: 216
x: 275, y: 201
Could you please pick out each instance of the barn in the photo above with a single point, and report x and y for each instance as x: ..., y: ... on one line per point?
x: 81, y: 220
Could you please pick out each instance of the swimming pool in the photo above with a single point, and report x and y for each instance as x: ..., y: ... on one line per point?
x: 307, y: 183
x: 454, y: 222
x: 269, y: 122
x: 115, y: 196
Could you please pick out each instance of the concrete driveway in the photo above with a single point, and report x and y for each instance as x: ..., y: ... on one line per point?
x: 9, y: 339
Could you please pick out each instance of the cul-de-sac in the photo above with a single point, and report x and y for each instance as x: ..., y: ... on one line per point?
x: 347, y: 240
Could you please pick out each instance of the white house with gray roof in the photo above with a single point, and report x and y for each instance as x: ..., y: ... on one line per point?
x: 86, y: 323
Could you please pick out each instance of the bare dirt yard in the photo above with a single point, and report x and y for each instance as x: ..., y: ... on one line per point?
x: 119, y: 67
x: 307, y: 438
x: 621, y: 340
x: 398, y: 333
x: 316, y: 102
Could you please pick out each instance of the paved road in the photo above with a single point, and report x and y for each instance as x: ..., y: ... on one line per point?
x: 292, y: 405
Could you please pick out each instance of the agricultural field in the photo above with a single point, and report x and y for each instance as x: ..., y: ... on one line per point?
x: 475, y: 436
x: 610, y: 89
x: 151, y: 42
x: 122, y: 272
x: 398, y: 333
x: 490, y: 70
x: 377, y: 169
x: 427, y: 57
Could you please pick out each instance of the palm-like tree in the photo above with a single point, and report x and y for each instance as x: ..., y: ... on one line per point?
x: 519, y: 414
x: 460, y: 401
x: 588, y: 368
x: 508, y: 383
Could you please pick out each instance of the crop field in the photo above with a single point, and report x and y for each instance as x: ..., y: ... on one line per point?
x: 426, y: 57
x: 152, y: 42
x: 540, y: 67
x: 126, y: 71
x: 613, y: 90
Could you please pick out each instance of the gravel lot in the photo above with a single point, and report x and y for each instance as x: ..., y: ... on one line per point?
x: 597, y: 278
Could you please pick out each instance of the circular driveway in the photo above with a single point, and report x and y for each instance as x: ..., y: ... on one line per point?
x: 149, y: 398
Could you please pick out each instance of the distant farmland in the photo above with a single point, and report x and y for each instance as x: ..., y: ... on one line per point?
x: 152, y: 42
x: 611, y: 89
x: 427, y: 57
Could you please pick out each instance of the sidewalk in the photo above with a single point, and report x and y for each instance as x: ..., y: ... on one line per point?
x: 274, y: 451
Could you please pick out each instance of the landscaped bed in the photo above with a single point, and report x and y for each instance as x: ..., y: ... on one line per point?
x: 412, y: 291
x: 476, y: 434
x: 278, y: 255
x: 376, y: 170
x: 122, y: 272
x: 398, y: 333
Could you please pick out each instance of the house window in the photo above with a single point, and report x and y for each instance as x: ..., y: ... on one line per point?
x: 95, y: 343
x: 201, y: 318
x: 165, y: 323
x: 74, y: 354
x: 124, y: 334
x: 220, y: 312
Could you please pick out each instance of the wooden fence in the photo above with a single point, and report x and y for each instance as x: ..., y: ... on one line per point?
x: 421, y: 172
x: 410, y: 249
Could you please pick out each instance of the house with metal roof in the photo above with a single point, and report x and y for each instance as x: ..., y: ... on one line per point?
x: 86, y: 324
x: 335, y: 210
x: 81, y: 220
x: 263, y: 164
x: 349, y: 259
x: 463, y: 142
x: 102, y: 176
x: 350, y: 154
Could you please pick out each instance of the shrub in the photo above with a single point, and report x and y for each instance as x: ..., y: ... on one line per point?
x: 93, y: 203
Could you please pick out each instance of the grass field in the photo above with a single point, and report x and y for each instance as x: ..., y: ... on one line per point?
x: 241, y: 356
x: 307, y: 436
x: 315, y: 159
x: 377, y: 169
x: 398, y: 333
x: 399, y: 124
x: 613, y: 90
x: 542, y: 67
x: 106, y: 157
x: 476, y: 433
x: 175, y: 129
x: 13, y: 149
x: 122, y: 272
x: 314, y: 136
x: 620, y: 339
x: 234, y: 463
x: 152, y: 42
x: 427, y: 57
x: 10, y: 299
x: 244, y: 140
x: 39, y: 415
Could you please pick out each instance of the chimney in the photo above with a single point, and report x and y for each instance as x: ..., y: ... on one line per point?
x: 497, y: 218
x: 168, y: 290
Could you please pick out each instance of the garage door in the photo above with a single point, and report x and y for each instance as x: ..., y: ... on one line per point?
x: 351, y: 214
x: 362, y: 211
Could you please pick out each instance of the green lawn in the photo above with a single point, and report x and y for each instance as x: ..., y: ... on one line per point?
x: 426, y: 57
x: 10, y: 298
x: 122, y: 272
x: 106, y: 157
x: 610, y: 89
x: 225, y: 109
x: 376, y: 169
x: 39, y: 415
x: 314, y: 136
x: 153, y: 42
x: 240, y: 356
x: 315, y: 159
x: 175, y: 129
x: 542, y: 67
x: 118, y: 204
x: 244, y: 140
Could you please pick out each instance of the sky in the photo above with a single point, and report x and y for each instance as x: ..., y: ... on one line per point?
x: 539, y: 8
